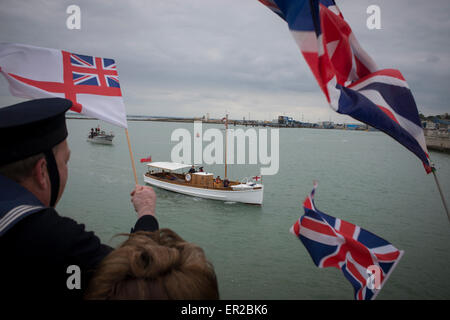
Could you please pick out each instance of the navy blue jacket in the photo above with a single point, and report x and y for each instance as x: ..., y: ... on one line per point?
x: 37, y: 245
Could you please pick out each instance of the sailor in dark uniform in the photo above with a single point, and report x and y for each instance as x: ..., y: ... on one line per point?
x: 40, y: 251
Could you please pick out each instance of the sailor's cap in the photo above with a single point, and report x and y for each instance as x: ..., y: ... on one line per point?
x: 32, y: 127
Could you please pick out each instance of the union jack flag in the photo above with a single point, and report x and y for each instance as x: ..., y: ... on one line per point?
x: 365, y: 259
x: 90, y: 74
x: 349, y: 78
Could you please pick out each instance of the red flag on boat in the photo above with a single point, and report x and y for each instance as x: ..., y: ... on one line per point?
x: 148, y: 159
x: 256, y: 178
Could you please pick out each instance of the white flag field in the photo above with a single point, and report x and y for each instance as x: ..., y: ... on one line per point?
x: 91, y: 83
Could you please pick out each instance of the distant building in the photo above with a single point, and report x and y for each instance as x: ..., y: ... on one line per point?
x: 441, y: 124
x: 283, y: 120
x: 429, y: 125
x: 309, y: 125
x: 326, y: 124
x: 355, y: 126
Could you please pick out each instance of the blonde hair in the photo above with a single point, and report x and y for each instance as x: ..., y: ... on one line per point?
x: 154, y: 265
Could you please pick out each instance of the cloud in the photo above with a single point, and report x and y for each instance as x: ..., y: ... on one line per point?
x: 183, y: 57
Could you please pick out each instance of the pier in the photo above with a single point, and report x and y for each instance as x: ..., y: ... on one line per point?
x: 437, y: 140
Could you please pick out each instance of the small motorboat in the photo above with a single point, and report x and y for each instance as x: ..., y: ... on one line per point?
x: 100, y: 136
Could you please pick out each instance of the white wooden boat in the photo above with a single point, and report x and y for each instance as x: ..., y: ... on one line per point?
x: 202, y: 184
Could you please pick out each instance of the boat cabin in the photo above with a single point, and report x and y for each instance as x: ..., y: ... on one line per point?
x: 170, y: 172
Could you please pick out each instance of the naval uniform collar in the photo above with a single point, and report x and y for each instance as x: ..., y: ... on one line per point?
x: 16, y: 202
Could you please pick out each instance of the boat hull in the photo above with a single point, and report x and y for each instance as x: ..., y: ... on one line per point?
x: 100, y: 140
x: 253, y: 196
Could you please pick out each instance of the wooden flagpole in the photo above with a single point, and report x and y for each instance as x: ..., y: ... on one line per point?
x: 131, y: 156
x: 226, y: 137
x: 440, y: 192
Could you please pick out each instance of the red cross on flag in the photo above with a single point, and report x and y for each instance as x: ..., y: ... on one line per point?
x: 91, y: 83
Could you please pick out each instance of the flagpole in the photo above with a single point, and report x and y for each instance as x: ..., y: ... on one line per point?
x: 440, y: 192
x: 131, y: 156
x: 226, y: 137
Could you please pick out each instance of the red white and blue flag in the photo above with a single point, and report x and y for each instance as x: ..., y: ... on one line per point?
x: 89, y: 74
x: 91, y: 83
x: 365, y: 259
x: 349, y: 78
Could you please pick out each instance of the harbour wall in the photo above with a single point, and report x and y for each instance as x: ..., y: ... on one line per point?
x: 437, y: 140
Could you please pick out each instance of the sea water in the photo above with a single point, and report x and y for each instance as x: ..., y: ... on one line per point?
x: 365, y: 178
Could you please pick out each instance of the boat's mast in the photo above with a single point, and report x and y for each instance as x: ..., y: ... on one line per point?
x: 226, y: 137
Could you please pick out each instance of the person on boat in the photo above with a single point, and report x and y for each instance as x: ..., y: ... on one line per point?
x: 192, y: 169
x: 200, y: 169
x: 156, y: 265
x: 226, y: 183
x: 92, y: 133
x: 218, y: 180
x: 41, y: 249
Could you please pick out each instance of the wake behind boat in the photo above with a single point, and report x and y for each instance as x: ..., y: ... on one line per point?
x: 202, y: 184
x: 100, y: 136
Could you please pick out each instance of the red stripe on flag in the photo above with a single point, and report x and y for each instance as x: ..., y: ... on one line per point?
x: 335, y: 30
x: 81, y: 79
x: 428, y: 168
x: 93, y: 70
x: 101, y: 72
x: 388, y: 256
x: 68, y: 87
x: 268, y: 3
x: 317, y: 226
x: 307, y: 204
x: 296, y: 227
x: 361, y: 69
x: 334, y: 259
x: 355, y: 273
x: 385, y: 72
x: 69, y: 90
x: 360, y: 253
x: 388, y: 113
x: 347, y: 229
x: 312, y: 60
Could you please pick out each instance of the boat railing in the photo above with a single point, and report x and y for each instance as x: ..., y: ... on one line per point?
x: 249, y: 181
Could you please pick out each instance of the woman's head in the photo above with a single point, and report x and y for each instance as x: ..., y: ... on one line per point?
x: 155, y: 265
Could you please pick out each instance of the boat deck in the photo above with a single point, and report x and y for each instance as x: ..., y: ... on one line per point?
x: 179, y: 178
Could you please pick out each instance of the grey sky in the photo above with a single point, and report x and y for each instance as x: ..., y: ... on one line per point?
x: 189, y: 58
